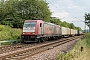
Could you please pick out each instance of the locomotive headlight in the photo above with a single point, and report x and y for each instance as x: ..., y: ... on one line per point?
x: 23, y: 33
x: 33, y: 33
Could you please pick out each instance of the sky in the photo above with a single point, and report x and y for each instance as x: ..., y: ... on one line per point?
x: 71, y: 11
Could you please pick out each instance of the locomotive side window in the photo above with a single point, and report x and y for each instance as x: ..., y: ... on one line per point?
x: 40, y: 24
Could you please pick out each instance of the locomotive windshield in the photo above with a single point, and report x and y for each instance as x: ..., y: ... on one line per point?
x: 29, y: 27
x: 29, y: 24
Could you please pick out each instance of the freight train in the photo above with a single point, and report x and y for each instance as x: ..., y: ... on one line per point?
x: 39, y: 31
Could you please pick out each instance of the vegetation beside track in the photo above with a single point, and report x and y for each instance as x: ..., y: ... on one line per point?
x: 8, y: 33
x: 81, y: 51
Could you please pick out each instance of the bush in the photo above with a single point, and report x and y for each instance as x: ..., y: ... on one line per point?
x: 87, y: 35
x: 1, y: 27
x: 15, y: 33
x: 87, y: 38
x: 7, y: 33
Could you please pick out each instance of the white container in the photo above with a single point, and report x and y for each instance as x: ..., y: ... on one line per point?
x: 64, y: 31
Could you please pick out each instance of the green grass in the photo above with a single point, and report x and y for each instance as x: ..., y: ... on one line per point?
x: 87, y: 39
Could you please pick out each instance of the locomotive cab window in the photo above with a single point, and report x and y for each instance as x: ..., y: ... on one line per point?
x: 29, y: 24
x: 40, y: 24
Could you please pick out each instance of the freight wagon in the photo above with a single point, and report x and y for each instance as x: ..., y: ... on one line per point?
x: 72, y: 32
x: 65, y: 32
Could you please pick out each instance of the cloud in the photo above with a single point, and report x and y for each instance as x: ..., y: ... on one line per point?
x: 60, y: 14
x: 70, y: 9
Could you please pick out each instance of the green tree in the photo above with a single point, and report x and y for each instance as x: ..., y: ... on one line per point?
x: 55, y: 20
x: 14, y: 12
x: 78, y: 28
x: 65, y: 24
x: 87, y: 20
x: 71, y: 26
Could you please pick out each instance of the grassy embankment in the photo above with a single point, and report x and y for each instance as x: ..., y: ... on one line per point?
x: 8, y: 33
x: 76, y: 53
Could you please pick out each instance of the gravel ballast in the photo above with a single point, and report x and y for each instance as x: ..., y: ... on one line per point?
x: 52, y: 53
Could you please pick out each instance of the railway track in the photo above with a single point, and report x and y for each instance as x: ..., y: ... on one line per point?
x: 27, y: 52
x: 9, y: 48
x: 5, y: 49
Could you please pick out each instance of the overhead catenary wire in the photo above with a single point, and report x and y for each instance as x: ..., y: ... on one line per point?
x: 79, y: 19
x: 53, y: 5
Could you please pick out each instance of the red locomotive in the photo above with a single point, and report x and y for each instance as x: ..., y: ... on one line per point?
x: 38, y: 31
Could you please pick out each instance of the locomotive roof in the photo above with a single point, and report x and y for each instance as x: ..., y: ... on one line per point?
x: 41, y: 20
x: 32, y: 20
x: 50, y: 23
